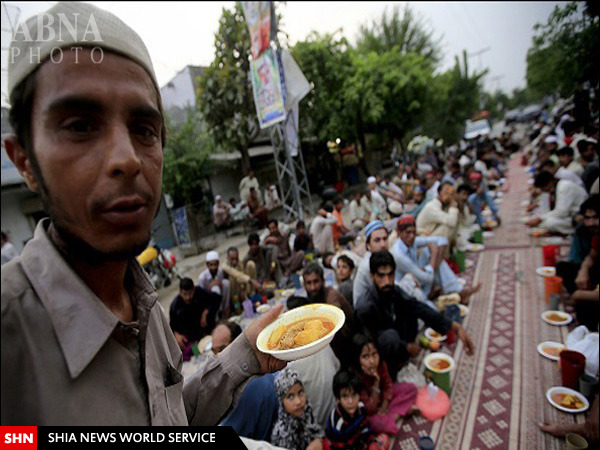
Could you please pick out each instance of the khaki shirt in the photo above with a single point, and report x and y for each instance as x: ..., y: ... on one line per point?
x: 67, y: 360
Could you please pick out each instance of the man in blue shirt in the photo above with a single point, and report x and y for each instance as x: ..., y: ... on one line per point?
x: 422, y: 257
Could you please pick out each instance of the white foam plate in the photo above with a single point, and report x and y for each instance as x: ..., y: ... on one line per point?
x: 462, y: 281
x: 488, y: 234
x: 568, y: 318
x: 469, y: 263
x: 429, y: 335
x: 563, y: 390
x: 542, y: 345
x: 475, y: 247
x: 546, y: 271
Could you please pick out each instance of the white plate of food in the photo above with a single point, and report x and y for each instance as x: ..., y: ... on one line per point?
x: 287, y: 292
x: 550, y: 349
x: 439, y: 362
x: 475, y: 247
x: 464, y: 310
x: 462, y: 281
x: 557, y: 317
x: 263, y: 308
x: 433, y: 335
x: 567, y: 400
x: 486, y: 213
x: 488, y: 234
x: 301, y: 332
x: 546, y: 271
x: 469, y: 264
x: 537, y: 232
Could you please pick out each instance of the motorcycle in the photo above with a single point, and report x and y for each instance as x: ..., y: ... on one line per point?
x: 160, y: 265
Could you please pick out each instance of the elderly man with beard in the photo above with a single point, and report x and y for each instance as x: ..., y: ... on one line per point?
x: 314, y: 283
x: 391, y: 316
x: 439, y: 217
x: 213, y: 279
x: 84, y: 339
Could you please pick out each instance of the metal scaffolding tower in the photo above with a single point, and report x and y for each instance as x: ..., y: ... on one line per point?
x: 291, y: 173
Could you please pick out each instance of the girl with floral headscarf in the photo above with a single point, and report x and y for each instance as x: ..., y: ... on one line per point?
x: 296, y: 427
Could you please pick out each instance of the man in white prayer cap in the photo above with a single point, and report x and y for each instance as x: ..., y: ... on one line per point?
x: 213, y: 279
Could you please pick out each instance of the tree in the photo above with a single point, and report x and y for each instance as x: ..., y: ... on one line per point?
x: 326, y: 62
x: 455, y: 99
x: 186, y: 159
x: 387, y: 93
x: 225, y: 95
x: 405, y: 33
x: 564, y: 51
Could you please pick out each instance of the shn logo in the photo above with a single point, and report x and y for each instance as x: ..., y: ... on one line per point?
x: 18, y: 438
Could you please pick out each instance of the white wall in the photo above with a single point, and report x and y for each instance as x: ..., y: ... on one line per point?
x: 179, y: 92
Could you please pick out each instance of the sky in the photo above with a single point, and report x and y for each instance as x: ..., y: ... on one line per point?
x: 496, y: 35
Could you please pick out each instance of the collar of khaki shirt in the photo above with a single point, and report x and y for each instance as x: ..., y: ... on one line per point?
x: 81, y: 321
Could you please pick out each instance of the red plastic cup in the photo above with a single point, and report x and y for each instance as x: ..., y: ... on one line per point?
x: 451, y: 336
x: 552, y: 285
x: 551, y: 254
x: 572, y: 365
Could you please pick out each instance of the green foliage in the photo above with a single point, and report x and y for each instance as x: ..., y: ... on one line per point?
x: 186, y: 159
x: 564, y: 52
x: 388, y: 92
x: 403, y: 33
x: 326, y: 62
x: 225, y: 94
x: 456, y: 97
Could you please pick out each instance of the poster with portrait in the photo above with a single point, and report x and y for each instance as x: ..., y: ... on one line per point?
x: 258, y: 18
x: 267, y: 89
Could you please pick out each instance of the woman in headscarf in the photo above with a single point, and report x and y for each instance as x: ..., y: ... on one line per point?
x: 296, y: 427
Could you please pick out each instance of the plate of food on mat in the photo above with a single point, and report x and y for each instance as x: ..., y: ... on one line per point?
x: 537, y: 232
x: 301, y: 332
x: 546, y: 271
x: 567, y: 400
x: 433, y: 335
x: 469, y: 263
x: 488, y: 234
x: 464, y: 310
x: 462, y: 281
x: 475, y: 247
x: 557, y: 317
x: 551, y: 349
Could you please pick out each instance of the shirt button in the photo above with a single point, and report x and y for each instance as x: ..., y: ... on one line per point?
x: 245, y: 367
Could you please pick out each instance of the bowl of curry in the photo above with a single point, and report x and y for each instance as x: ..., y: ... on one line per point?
x: 301, y: 332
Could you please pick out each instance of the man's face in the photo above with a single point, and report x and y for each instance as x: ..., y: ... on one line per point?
x: 343, y: 270
x: 408, y: 235
x: 314, y: 285
x: 548, y: 188
x: 221, y: 338
x: 564, y: 160
x: 213, y: 266
x: 588, y: 153
x: 384, y: 278
x: 339, y: 206
x: 419, y: 196
x: 446, y: 195
x: 590, y: 219
x: 253, y: 248
x: 463, y: 196
x: 378, y: 240
x: 233, y: 258
x: 300, y: 230
x: 187, y: 296
x: 97, y: 141
x: 429, y: 180
x: 273, y: 228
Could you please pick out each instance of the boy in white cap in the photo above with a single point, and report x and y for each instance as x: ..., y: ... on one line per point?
x: 84, y: 339
x: 213, y: 279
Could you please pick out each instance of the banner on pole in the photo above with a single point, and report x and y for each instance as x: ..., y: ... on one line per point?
x: 267, y: 89
x: 258, y: 18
